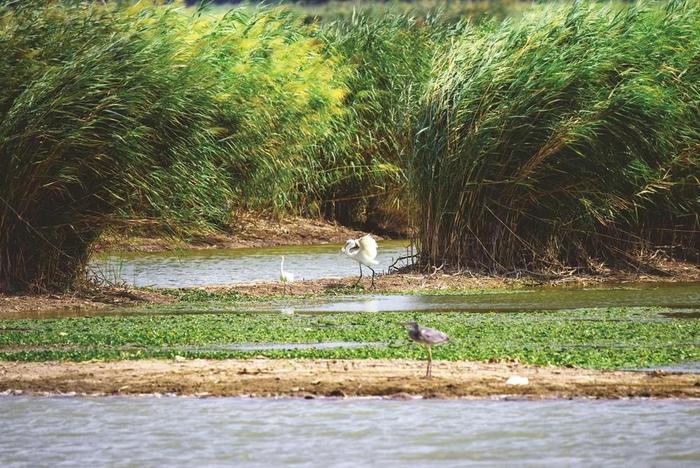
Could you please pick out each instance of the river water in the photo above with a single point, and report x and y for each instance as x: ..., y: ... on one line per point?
x: 188, y: 268
x: 150, y: 431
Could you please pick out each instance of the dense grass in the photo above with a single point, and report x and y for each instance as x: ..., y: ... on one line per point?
x: 165, y: 118
x: 160, y: 117
x: 391, y: 61
x: 96, y: 115
x: 563, y: 137
x: 566, y: 138
x: 421, y: 10
x: 598, y: 338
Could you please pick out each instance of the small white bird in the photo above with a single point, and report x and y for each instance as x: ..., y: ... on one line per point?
x: 364, y: 252
x: 285, y: 276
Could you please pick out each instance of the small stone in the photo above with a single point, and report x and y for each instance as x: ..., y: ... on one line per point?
x: 179, y: 358
x: 517, y: 380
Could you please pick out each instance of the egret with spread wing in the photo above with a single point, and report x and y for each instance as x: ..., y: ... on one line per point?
x: 364, y: 252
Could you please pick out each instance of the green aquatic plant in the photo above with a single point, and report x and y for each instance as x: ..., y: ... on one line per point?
x: 598, y: 338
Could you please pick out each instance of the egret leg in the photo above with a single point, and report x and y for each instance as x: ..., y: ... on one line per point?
x: 373, y: 273
x: 284, y: 293
x: 429, y: 373
x: 358, y: 279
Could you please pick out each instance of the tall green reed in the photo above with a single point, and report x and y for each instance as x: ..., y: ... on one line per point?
x: 365, y: 163
x: 567, y: 138
x: 99, y: 112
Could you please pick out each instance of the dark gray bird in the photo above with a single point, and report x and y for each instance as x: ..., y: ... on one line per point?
x: 428, y: 337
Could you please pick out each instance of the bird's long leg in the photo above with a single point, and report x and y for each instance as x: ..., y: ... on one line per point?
x: 373, y: 273
x: 284, y: 293
x: 358, y: 279
x: 429, y: 373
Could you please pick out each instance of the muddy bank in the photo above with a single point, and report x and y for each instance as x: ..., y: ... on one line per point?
x: 250, y: 230
x: 397, y: 378
x: 96, y: 298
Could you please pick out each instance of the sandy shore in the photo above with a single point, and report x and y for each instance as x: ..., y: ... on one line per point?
x: 311, y: 378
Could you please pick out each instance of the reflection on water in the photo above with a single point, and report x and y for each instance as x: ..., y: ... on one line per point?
x: 683, y: 298
x: 681, y: 295
x: 691, y: 367
x: 134, y: 431
x: 225, y: 266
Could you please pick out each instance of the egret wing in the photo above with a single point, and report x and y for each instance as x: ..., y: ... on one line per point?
x: 368, y: 245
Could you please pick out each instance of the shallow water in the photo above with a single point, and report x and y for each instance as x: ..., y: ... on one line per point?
x: 677, y: 295
x: 148, y: 431
x: 187, y: 268
x: 682, y: 298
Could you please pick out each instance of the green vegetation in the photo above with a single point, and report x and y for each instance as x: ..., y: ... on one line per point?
x: 562, y: 137
x: 600, y: 338
x: 160, y: 118
x: 97, y: 115
x: 566, y: 138
x: 421, y: 10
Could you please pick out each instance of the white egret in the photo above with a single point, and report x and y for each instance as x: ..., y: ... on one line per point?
x: 285, y: 276
x: 364, y: 252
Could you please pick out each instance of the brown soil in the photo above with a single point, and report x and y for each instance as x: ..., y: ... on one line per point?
x: 25, y: 304
x: 395, y: 378
x: 251, y: 230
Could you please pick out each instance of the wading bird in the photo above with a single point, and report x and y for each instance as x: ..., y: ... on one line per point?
x: 364, y: 252
x: 285, y: 276
x: 428, y: 337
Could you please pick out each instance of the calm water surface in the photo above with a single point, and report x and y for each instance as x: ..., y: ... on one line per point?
x: 682, y: 299
x: 676, y: 295
x: 226, y: 266
x: 151, y: 431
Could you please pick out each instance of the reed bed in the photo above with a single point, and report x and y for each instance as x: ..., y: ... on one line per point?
x: 171, y: 119
x: 390, y: 58
x: 565, y: 139
x: 564, y: 136
x: 101, y: 110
